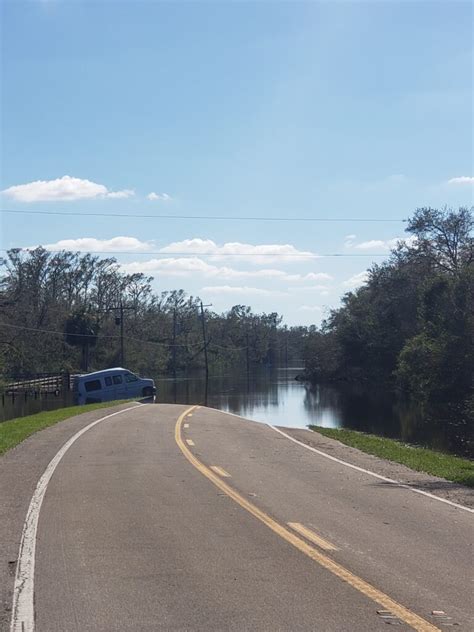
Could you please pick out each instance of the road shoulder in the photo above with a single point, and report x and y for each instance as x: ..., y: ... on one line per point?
x: 440, y: 487
x: 20, y: 469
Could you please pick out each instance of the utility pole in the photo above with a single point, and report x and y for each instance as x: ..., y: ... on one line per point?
x: 173, y: 348
x: 204, y: 340
x: 122, y: 351
x: 248, y: 355
x: 119, y: 321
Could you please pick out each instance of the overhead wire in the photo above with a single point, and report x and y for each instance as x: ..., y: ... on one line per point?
x: 251, y: 218
x: 101, y: 337
x: 203, y: 254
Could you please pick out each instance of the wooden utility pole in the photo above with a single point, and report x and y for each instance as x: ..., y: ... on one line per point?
x: 248, y: 355
x: 122, y: 350
x: 204, y: 340
x: 119, y: 321
x: 173, y: 348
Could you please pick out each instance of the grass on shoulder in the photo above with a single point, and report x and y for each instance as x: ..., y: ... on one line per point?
x: 452, y: 468
x: 14, y: 431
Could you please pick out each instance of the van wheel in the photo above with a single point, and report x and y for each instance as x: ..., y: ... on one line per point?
x: 147, y: 391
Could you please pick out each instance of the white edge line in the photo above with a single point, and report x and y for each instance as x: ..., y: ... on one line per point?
x: 23, y: 613
x: 361, y: 469
x: 354, y: 467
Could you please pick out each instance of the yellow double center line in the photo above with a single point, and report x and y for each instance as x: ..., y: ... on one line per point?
x: 403, y: 613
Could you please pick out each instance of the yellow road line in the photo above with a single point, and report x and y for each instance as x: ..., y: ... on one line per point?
x: 220, y: 471
x: 190, y: 415
x: 189, y: 441
x: 403, y: 613
x: 312, y: 537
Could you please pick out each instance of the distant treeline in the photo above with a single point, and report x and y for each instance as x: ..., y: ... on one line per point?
x: 63, y: 312
x: 411, y: 325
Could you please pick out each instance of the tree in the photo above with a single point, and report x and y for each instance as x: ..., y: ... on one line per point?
x: 444, y: 237
x: 81, y: 331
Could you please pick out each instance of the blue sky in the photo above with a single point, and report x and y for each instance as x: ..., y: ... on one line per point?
x: 315, y: 109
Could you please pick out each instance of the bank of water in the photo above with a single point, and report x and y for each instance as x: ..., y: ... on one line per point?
x: 275, y: 397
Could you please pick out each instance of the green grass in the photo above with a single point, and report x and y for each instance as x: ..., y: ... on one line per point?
x: 450, y: 467
x: 14, y: 431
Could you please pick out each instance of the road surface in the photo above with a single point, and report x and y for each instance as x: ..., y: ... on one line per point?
x: 170, y: 518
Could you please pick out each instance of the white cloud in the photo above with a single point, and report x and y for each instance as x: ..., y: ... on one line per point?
x: 308, y: 288
x: 188, y: 266
x: 316, y: 276
x: 462, y: 180
x: 240, y: 290
x: 379, y: 244
x: 356, y: 280
x: 63, y: 189
x: 117, y: 195
x: 310, y: 308
x: 257, y: 254
x: 158, y: 196
x: 116, y: 244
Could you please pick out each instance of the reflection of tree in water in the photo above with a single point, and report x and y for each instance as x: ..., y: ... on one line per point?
x: 441, y: 425
x: 353, y: 407
x: 244, y: 396
x: 232, y: 392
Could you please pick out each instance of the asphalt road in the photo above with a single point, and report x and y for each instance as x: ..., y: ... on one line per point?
x: 218, y: 523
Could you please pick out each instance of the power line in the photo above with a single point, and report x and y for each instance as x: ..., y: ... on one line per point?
x: 208, y: 217
x: 102, y: 337
x: 207, y: 254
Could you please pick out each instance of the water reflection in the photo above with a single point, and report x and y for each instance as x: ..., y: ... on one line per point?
x: 274, y: 396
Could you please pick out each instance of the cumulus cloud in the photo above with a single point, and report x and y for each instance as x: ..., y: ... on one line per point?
x: 164, y: 197
x: 257, y: 254
x: 309, y: 288
x: 377, y: 244
x: 310, y: 308
x: 240, y: 290
x: 116, y: 244
x: 117, y: 195
x: 462, y: 180
x: 188, y: 266
x: 356, y: 280
x: 63, y: 189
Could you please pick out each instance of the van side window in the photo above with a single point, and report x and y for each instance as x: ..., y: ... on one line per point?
x: 108, y: 381
x: 129, y: 377
x: 92, y: 385
x: 117, y: 379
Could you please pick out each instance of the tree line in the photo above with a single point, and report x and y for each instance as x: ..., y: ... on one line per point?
x: 72, y: 312
x: 411, y: 325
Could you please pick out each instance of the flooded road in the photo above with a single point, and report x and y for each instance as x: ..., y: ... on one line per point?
x: 274, y: 396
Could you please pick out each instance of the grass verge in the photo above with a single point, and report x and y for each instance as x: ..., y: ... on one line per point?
x: 450, y: 467
x: 14, y: 431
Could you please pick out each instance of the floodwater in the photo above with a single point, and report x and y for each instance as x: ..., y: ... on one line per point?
x: 275, y: 397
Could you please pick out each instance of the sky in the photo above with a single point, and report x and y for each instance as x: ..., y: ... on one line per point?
x: 234, y: 110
